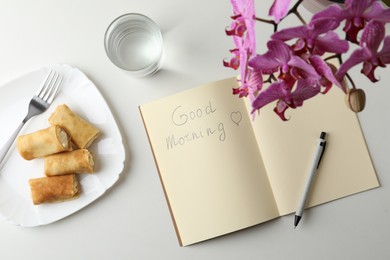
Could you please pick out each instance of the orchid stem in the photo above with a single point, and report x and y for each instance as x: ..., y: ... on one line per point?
x: 270, y: 78
x: 332, y: 57
x: 350, y: 80
x: 295, y: 7
x: 264, y: 20
x: 340, y: 59
x: 294, y: 10
x: 268, y: 21
x: 300, y: 17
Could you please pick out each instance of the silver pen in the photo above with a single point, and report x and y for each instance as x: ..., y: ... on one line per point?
x: 312, y: 171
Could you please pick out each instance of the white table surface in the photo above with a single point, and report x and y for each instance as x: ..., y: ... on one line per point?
x: 132, y: 221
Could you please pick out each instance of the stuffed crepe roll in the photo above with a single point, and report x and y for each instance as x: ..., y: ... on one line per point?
x: 44, y: 142
x: 77, y: 161
x: 82, y: 132
x: 54, y: 189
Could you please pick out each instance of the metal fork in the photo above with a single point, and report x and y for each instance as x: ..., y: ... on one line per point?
x: 38, y: 104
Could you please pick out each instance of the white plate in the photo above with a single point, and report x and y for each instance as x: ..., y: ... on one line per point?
x: 81, y: 95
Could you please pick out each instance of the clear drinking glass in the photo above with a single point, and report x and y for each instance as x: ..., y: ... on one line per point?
x: 133, y: 42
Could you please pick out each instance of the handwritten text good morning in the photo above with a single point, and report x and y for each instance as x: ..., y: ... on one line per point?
x: 182, y: 115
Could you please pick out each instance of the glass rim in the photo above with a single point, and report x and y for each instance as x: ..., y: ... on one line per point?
x: 108, y: 32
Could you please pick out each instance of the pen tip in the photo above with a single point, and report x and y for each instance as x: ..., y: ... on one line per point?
x: 323, y: 134
x: 296, y: 220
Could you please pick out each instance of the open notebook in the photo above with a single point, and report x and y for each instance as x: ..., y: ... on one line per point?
x: 221, y: 171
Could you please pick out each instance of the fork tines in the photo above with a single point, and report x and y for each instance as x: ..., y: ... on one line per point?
x: 50, y: 87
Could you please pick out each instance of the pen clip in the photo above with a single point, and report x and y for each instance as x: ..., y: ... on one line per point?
x: 323, y: 144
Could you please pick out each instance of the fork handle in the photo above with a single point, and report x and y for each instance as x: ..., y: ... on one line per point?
x: 4, y: 150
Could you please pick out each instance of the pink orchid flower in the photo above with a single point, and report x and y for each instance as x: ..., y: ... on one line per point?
x: 243, y: 31
x: 372, y: 37
x: 285, y: 98
x: 309, y: 76
x: 277, y: 57
x: 252, y: 84
x: 280, y: 57
x: 279, y: 9
x: 359, y: 12
x: 356, y: 13
x: 317, y: 37
x: 297, y: 71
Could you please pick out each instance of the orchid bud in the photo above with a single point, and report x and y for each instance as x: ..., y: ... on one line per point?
x: 355, y: 99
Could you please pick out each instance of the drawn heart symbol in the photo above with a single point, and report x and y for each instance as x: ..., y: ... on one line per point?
x: 236, y: 117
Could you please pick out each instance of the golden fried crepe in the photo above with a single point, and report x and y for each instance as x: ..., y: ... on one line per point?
x: 44, y: 142
x: 54, y: 189
x: 77, y: 161
x: 82, y: 132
